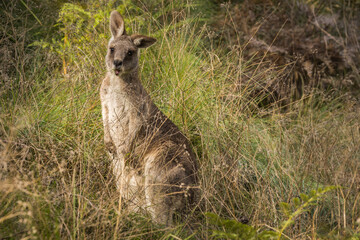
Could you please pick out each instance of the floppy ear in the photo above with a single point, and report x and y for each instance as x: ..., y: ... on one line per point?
x: 117, y: 25
x: 142, y: 41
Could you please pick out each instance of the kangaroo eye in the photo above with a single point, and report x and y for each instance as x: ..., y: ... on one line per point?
x: 130, y: 53
x: 112, y: 49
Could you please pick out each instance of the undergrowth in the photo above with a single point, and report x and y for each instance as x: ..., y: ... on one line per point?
x: 259, y: 163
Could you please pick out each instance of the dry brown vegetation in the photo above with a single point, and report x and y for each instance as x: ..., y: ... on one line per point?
x: 306, y: 45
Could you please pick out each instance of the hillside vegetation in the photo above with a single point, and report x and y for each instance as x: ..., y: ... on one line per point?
x: 267, y: 91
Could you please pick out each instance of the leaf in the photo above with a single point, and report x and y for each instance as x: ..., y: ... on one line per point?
x: 304, y: 197
x: 232, y: 228
x: 285, y: 207
x: 268, y: 235
x: 312, y: 193
x: 287, y: 223
x: 213, y: 218
x: 296, y: 202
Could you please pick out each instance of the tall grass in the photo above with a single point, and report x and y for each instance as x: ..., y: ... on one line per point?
x: 56, y: 180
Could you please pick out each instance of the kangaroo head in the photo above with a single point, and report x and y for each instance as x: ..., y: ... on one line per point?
x: 123, y: 50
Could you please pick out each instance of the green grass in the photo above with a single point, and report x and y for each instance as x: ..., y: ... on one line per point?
x: 55, y: 176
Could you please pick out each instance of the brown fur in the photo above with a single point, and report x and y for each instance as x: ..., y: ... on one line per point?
x: 152, y: 160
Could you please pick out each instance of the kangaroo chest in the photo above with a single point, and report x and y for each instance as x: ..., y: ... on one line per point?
x: 124, y: 116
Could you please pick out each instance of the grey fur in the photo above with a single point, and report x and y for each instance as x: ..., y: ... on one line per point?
x: 155, y: 167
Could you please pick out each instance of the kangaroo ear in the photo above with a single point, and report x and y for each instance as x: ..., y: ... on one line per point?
x: 117, y: 25
x: 142, y: 41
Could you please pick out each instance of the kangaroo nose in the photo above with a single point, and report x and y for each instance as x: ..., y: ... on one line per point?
x: 117, y: 63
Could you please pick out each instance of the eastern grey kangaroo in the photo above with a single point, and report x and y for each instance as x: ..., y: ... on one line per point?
x: 154, y: 165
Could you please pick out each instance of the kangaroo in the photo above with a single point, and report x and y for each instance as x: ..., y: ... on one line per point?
x: 154, y: 165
